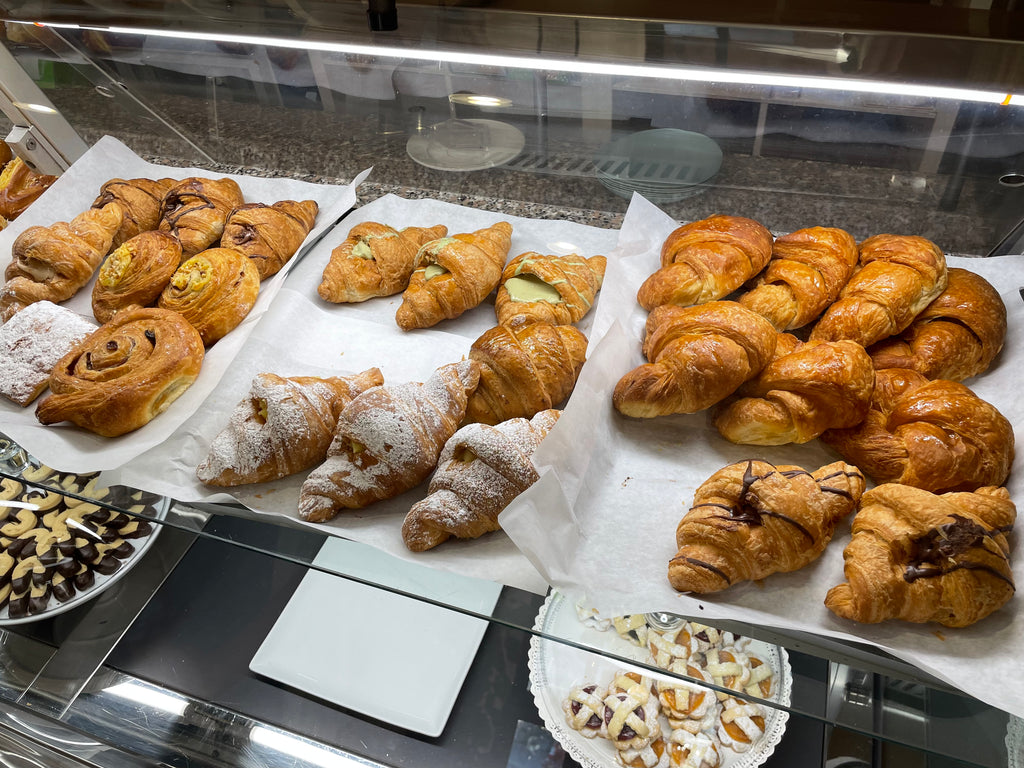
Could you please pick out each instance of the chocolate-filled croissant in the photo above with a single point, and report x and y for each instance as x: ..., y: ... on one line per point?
x: 195, y: 209
x: 269, y: 234
x: 140, y: 199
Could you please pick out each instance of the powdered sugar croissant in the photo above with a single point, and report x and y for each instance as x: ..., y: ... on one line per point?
x: 283, y: 426
x: 752, y: 519
x: 481, y: 470
x: 387, y: 441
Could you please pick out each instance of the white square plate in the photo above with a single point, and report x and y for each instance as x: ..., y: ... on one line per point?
x: 391, y: 657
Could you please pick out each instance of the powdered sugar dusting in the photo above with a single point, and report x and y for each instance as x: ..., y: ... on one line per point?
x: 32, y: 342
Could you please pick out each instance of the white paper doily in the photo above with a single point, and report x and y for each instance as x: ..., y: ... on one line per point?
x: 556, y: 667
x: 1015, y: 743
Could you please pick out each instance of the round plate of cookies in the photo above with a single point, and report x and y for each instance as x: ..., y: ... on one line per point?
x: 607, y: 713
x: 58, y: 550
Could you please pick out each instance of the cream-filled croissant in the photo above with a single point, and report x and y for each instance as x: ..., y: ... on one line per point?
x: 548, y: 289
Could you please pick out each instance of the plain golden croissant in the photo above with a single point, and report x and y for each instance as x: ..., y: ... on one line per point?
x: 807, y: 271
x: 752, y: 519
x: 126, y: 373
x: 899, y: 277
x: 269, y: 234
x: 698, y: 357
x: 214, y: 290
x: 706, y: 260
x: 387, y: 441
x: 374, y: 260
x: 136, y: 272
x: 453, y: 274
x: 548, y: 289
x: 283, y: 426
x: 194, y: 210
x: 480, y: 471
x: 20, y: 186
x: 806, y: 389
x: 524, y: 368
x: 956, y: 336
x: 937, y: 435
x: 53, y: 263
x: 920, y: 557
x: 140, y: 199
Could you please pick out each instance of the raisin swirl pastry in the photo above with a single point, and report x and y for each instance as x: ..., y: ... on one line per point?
x: 195, y: 210
x: 214, y: 290
x: 124, y: 374
x: 921, y: 557
x: 751, y: 519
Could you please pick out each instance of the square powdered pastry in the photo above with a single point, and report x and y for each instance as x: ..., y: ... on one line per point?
x: 32, y: 343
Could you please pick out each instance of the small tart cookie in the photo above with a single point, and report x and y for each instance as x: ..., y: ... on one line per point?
x: 685, y: 704
x: 740, y: 724
x: 584, y: 708
x: 692, y: 750
x: 631, y: 712
x: 654, y: 755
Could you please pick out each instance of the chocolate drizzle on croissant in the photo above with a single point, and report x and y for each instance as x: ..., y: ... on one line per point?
x: 936, y: 552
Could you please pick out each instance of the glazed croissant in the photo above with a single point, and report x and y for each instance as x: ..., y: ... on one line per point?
x: 807, y: 270
x: 937, y: 435
x: 20, y: 186
x: 920, y: 557
x: 194, y: 210
x: 698, y: 356
x: 706, y: 260
x: 53, y: 263
x: 481, y: 470
x: 454, y: 274
x: 899, y: 277
x: 387, y: 441
x: 374, y: 260
x: 955, y: 337
x: 214, y: 290
x: 558, y: 290
x: 140, y: 199
x: 524, y: 368
x: 283, y: 426
x: 808, y: 388
x: 269, y: 234
x: 126, y: 373
x: 752, y: 519
x: 135, y: 272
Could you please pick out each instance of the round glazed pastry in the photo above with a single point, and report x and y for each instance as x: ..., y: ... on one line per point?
x: 125, y: 373
x: 135, y: 273
x: 214, y: 291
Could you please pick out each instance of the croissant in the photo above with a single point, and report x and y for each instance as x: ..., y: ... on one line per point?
x: 284, y: 425
x: 135, y: 273
x: 807, y: 270
x: 53, y: 263
x: 374, y: 260
x: 698, y: 356
x: 214, y: 290
x: 899, y: 277
x: 453, y: 274
x: 126, y: 373
x: 140, y: 199
x: 194, y: 210
x: 920, y: 557
x: 524, y: 368
x: 937, y: 435
x: 752, y: 519
x: 387, y: 441
x: 20, y: 186
x: 955, y: 337
x: 481, y: 470
x: 706, y: 260
x: 269, y: 234
x: 805, y: 390
x: 558, y: 290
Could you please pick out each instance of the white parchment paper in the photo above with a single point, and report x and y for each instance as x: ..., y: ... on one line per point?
x: 600, y: 524
x: 77, y: 450
x: 303, y: 335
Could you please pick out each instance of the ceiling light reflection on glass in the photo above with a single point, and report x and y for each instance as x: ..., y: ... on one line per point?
x: 476, y: 100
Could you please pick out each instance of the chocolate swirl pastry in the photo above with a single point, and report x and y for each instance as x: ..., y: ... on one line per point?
x: 922, y: 557
x: 125, y: 374
x: 195, y: 209
x: 752, y: 519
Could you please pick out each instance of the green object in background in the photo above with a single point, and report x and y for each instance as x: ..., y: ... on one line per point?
x: 54, y: 74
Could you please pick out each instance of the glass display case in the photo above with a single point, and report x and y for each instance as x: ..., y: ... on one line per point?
x: 222, y: 629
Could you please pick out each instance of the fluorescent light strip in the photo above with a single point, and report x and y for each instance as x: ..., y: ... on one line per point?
x: 307, y: 752
x: 589, y: 67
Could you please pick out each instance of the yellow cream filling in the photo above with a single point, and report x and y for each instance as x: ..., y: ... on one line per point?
x: 115, y: 267
x: 361, y: 250
x: 433, y: 270
x: 193, y: 275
